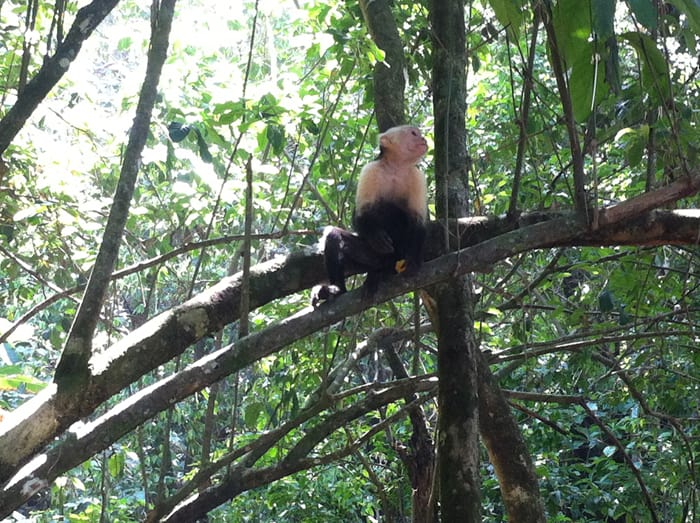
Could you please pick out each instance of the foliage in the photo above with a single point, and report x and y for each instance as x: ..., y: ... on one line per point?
x: 613, y: 326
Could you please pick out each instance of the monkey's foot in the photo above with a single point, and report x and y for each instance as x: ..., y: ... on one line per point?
x: 323, y: 293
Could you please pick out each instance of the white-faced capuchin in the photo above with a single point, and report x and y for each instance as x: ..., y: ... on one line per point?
x: 389, y: 218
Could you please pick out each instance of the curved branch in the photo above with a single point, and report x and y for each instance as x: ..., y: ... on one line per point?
x: 34, y: 424
x: 507, y: 450
x: 614, y: 364
x: 472, y: 231
x: 610, y: 436
x: 86, y: 21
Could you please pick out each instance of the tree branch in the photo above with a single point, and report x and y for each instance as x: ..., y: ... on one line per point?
x: 558, y: 67
x: 528, y: 81
x: 35, y: 423
x: 147, y: 264
x: 72, y: 371
x: 420, y: 462
x: 86, y: 21
x: 245, y: 478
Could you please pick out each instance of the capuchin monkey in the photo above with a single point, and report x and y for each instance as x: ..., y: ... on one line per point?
x: 389, y: 219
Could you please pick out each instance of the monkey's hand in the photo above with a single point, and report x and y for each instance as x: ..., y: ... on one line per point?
x: 407, y: 266
x: 400, y: 266
x: 380, y: 241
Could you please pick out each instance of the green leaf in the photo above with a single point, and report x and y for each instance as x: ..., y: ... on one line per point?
x: 633, y: 142
x: 311, y: 126
x: 572, y: 25
x: 624, y: 318
x: 268, y: 107
x: 375, y: 54
x: 8, y: 231
x: 252, y: 413
x: 612, y: 65
x: 645, y: 12
x: 124, y: 43
x: 691, y: 9
x: 586, y: 81
x: 609, y: 450
x: 204, y: 153
x: 635, y: 152
x: 509, y: 14
x: 116, y: 464
x: 9, y: 370
x: 29, y: 212
x: 11, y: 378
x: 655, y: 76
x: 603, y: 18
x: 276, y: 137
x: 229, y: 112
x: 573, y: 28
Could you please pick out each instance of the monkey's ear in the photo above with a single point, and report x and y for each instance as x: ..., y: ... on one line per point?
x: 384, y: 140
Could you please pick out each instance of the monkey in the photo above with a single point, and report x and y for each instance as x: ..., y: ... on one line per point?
x: 389, y: 218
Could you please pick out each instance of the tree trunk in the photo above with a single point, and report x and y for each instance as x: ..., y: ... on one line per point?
x: 508, y: 452
x: 458, y: 444
x: 390, y: 74
x: 419, y: 460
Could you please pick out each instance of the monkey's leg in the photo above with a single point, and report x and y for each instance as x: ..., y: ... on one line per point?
x: 344, y: 251
x: 415, y: 246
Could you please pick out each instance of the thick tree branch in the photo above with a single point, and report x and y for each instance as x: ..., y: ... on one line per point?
x: 146, y: 264
x: 319, y: 401
x: 72, y: 374
x: 33, y: 424
x: 458, y: 443
x: 85, y: 440
x: 636, y: 206
x: 472, y: 231
x: 507, y: 451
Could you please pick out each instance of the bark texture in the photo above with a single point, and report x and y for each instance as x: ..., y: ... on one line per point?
x: 508, y: 452
x: 389, y: 76
x: 458, y: 443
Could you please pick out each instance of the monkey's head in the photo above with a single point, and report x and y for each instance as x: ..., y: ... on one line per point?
x: 405, y: 142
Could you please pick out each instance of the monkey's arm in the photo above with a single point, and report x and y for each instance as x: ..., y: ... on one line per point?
x: 370, y: 229
x: 377, y: 224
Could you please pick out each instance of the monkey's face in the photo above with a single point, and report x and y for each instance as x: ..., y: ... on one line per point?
x: 405, y: 142
x: 416, y: 145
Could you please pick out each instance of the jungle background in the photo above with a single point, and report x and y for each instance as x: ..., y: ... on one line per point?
x: 166, y: 173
